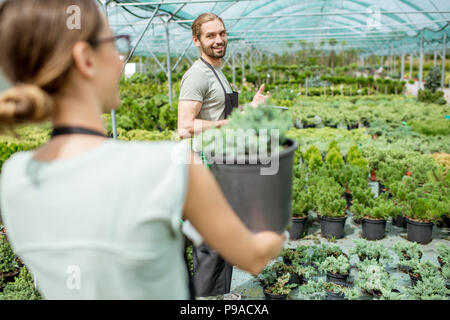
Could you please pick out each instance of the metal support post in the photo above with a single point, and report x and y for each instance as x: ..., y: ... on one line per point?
x: 444, y: 45
x: 243, y: 67
x: 233, y: 68
x: 402, y: 71
x: 169, y: 69
x: 421, y: 61
x: 410, y: 66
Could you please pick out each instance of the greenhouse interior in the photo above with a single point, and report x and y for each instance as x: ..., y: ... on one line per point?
x: 351, y: 148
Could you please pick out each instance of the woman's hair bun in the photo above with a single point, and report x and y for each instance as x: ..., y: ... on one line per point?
x: 25, y: 103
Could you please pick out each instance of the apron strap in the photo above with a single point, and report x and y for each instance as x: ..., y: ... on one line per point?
x: 215, y: 73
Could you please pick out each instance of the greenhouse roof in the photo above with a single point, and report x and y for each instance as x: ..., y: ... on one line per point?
x: 277, y: 26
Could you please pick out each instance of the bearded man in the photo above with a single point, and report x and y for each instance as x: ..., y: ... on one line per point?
x: 206, y: 100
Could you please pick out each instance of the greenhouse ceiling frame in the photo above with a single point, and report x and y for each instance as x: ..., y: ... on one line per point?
x: 256, y: 23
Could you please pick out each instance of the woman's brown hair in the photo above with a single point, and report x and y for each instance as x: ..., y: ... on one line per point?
x: 202, y: 19
x: 36, y: 53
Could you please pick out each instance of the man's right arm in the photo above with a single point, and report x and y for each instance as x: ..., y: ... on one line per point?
x: 188, y: 124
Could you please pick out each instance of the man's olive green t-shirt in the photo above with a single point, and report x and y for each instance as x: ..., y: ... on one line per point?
x: 200, y: 84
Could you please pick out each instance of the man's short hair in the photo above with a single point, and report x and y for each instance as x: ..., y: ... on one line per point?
x: 201, y: 19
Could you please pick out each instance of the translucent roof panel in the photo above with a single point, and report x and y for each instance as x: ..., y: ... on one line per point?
x: 277, y: 26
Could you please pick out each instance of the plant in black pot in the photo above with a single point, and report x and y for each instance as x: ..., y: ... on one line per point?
x: 444, y: 254
x: 424, y: 212
x: 374, y: 221
x: 339, y: 292
x: 280, y: 289
x: 361, y: 200
x: 365, y: 249
x: 300, y: 206
x: 428, y: 289
x: 22, y: 288
x: 373, y: 279
x: 331, y: 209
x: 420, y: 269
x: 8, y: 263
x: 406, y: 251
x: 248, y: 157
x: 337, y: 269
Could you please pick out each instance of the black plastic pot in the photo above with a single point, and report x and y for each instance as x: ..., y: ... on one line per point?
x: 7, y: 277
x: 421, y: 232
x: 271, y: 296
x: 262, y: 201
x: 403, y: 268
x: 298, y: 227
x: 294, y: 278
x: 413, y: 278
x: 373, y: 229
x: 337, y: 278
x: 335, y: 296
x: 399, y: 221
x: 332, y: 227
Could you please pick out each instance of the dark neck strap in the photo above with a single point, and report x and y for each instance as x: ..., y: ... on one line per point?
x: 75, y: 130
x: 215, y: 73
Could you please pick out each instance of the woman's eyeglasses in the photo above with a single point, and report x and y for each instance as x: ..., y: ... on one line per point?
x: 122, y: 43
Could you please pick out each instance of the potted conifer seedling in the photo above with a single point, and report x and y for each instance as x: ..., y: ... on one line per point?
x: 406, y: 251
x: 337, y: 269
x: 365, y: 249
x: 280, y: 289
x: 248, y: 157
x: 424, y: 212
x: 300, y: 207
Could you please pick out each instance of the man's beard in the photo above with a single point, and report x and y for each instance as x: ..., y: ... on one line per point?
x: 210, y: 52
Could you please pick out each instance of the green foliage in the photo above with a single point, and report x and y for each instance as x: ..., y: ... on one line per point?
x: 429, y: 96
x: 300, y: 202
x: 426, y: 209
x: 21, y: 289
x: 433, y: 79
x: 373, y: 278
x: 339, y: 265
x: 334, y: 158
x: 407, y: 250
x: 429, y: 289
x: 444, y: 252
x: 248, y: 132
x: 422, y: 268
x: 8, y: 261
x: 373, y: 250
x: 365, y: 206
x: 280, y: 287
x: 431, y: 127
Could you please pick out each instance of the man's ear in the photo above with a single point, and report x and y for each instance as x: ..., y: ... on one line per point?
x: 196, y: 41
x: 83, y: 59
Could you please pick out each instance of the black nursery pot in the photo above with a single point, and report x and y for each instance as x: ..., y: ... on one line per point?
x: 332, y: 227
x: 335, y: 296
x: 421, y: 232
x: 373, y: 229
x: 298, y: 227
x: 414, y: 278
x: 271, y: 296
x: 337, y: 278
x: 399, y: 221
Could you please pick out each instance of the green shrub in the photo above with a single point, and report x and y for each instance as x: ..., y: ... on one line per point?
x: 433, y: 79
x: 21, y: 289
x: 339, y: 265
x: 370, y: 250
x: 8, y: 261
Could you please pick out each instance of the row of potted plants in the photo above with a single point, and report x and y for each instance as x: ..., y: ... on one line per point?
x: 302, y: 265
x: 331, y: 181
